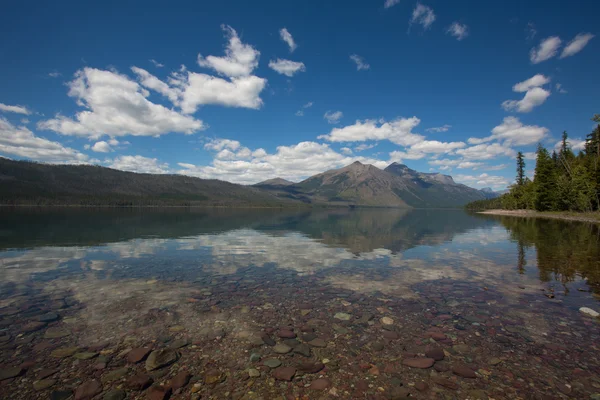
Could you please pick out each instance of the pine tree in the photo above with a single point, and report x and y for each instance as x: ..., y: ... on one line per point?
x: 520, y: 169
x: 545, y: 181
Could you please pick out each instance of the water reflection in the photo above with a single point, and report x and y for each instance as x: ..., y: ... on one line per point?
x: 508, y: 288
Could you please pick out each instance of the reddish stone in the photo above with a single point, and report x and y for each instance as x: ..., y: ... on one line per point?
x: 421, y: 386
x: 180, y: 380
x: 464, y: 371
x: 27, y: 364
x: 158, y: 393
x: 286, y: 334
x: 88, y: 390
x: 320, y: 384
x: 444, y: 382
x: 42, y: 346
x: 436, y: 353
x: 284, y: 373
x: 437, y: 336
x: 139, y: 382
x: 311, y: 368
x: 138, y: 355
x: 419, y: 362
x: 391, y: 335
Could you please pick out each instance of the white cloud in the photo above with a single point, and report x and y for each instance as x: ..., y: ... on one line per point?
x: 360, y: 62
x: 486, y: 151
x: 534, y: 95
x: 21, y: 142
x: 576, y: 45
x: 444, y: 162
x: 533, y: 82
x: 438, y: 129
x: 220, y: 144
x: 483, y: 180
x: 363, y: 147
x: 390, y: 3
x: 513, y: 132
x: 560, y: 89
x: 54, y: 74
x: 300, y: 113
x: 156, y: 63
x: 531, y: 155
x: 469, y: 165
x: 14, y: 109
x: 422, y: 15
x: 398, y: 131
x: 152, y: 82
x: 458, y: 30
x: 286, y: 36
x: 532, y: 99
x: 240, y: 59
x: 286, y: 67
x: 117, y: 106
x: 575, y: 144
x: 547, y: 49
x: 139, y: 164
x: 333, y: 117
x: 434, y: 146
x: 101, y: 147
x: 346, y: 150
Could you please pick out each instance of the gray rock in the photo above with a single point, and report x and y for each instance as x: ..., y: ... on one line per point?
x: 116, y: 394
x: 282, y: 348
x: 161, y: 358
x: 272, y: 363
x: 43, y: 384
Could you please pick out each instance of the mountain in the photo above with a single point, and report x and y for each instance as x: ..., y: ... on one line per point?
x: 490, y: 194
x: 274, y: 182
x: 23, y: 182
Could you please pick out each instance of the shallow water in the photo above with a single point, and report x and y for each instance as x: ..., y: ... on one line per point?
x: 497, y: 297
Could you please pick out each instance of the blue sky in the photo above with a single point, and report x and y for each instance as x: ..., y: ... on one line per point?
x: 244, y: 92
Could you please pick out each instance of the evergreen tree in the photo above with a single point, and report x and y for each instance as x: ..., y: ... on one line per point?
x: 545, y: 181
x: 520, y: 169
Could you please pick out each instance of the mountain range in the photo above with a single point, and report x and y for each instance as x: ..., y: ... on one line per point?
x: 358, y: 184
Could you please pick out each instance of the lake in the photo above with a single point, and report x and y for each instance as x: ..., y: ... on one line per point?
x: 321, y: 304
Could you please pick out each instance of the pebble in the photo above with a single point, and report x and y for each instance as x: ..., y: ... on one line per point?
x: 387, y: 321
x: 444, y: 382
x: 282, y: 348
x: 7, y: 373
x: 43, y: 384
x: 418, y: 362
x: 138, y: 355
x: 61, y: 395
x: 463, y: 371
x: 318, y: 342
x: 284, y: 373
x: 214, y: 376
x: 84, y: 355
x: 139, y: 382
x: 56, y: 333
x: 115, y: 394
x: 436, y: 353
x: 286, y: 334
x: 158, y: 393
x: 320, y: 384
x: 179, y: 343
x: 49, y: 317
x: 310, y: 367
x: 160, y: 358
x: 181, y: 380
x: 302, y: 349
x: 377, y: 346
x: 64, y: 352
x: 88, y: 390
x: 589, y: 311
x: 342, y: 316
x: 115, y: 375
x: 272, y: 363
x: 253, y: 373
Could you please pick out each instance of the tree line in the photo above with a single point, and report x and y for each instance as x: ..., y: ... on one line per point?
x: 563, y: 180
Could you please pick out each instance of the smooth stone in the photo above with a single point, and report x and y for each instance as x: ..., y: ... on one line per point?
x: 282, y: 348
x: 391, y: 335
x: 342, y: 316
x: 84, y: 355
x: 448, y: 384
x: 179, y: 343
x: 310, y: 367
x: 139, y: 382
x: 115, y: 394
x: 589, y: 311
x: 387, y: 321
x: 302, y: 349
x: 286, y: 334
x: 64, y: 352
x: 284, y: 373
x: 377, y: 346
x: 272, y: 363
x: 318, y: 342
x: 158, y: 393
x: 88, y: 390
x: 61, y: 395
x: 253, y: 373
x: 56, y: 333
x: 43, y: 384
x: 160, y: 358
x: 461, y: 348
x: 33, y: 326
x: 437, y: 354
x: 214, y: 376
x: 254, y: 357
x: 267, y: 339
x: 49, y: 317
x: 320, y: 384
x: 307, y: 337
x: 422, y: 363
x: 180, y: 380
x: 463, y: 371
x: 115, y: 375
x: 441, y: 367
x: 495, y: 361
x: 7, y: 373
x: 138, y: 355
x: 43, y: 374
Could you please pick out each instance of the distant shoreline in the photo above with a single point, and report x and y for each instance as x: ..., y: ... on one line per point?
x: 565, y: 215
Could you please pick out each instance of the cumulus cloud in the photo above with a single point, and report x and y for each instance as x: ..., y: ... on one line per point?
x: 21, y: 142
x: 422, y: 15
x: 438, y: 129
x: 486, y: 151
x: 333, y: 117
x: 240, y: 59
x: 483, y: 180
x: 513, y: 132
x: 14, y: 109
x: 434, y: 146
x: 101, y: 147
x: 139, y: 164
x: 398, y: 131
x: 360, y: 62
x: 458, y: 30
x: 116, y: 105
x: 547, y: 49
x: 575, y: 144
x: 286, y: 36
x: 390, y: 3
x: 364, y: 146
x: 576, y: 45
x: 220, y: 144
x: 286, y: 67
x: 347, y: 151
x: 152, y: 82
x: 534, y: 94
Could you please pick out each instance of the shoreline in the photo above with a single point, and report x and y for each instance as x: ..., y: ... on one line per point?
x: 566, y: 216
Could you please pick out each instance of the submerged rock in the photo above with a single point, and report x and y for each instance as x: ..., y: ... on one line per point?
x: 422, y: 363
x: 161, y: 358
x: 589, y: 311
x: 284, y: 373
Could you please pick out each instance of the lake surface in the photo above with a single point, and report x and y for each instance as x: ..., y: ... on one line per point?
x: 268, y: 304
